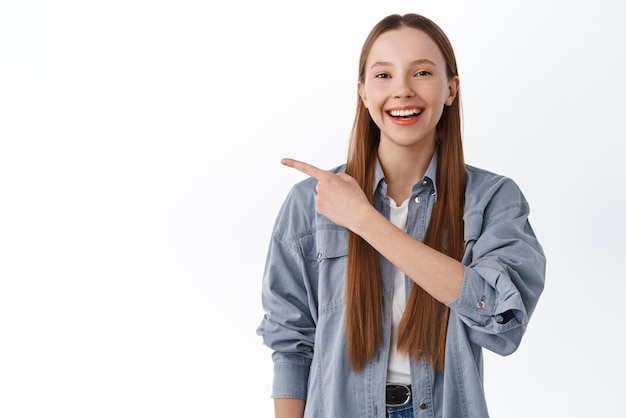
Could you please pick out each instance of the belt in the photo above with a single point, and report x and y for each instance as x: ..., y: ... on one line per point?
x: 398, y: 395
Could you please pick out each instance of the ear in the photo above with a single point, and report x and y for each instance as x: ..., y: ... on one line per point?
x: 362, y: 94
x: 453, y: 90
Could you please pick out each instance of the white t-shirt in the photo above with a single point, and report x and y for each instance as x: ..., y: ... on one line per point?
x: 398, y: 368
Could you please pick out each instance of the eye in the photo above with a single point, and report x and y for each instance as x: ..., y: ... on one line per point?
x: 382, y: 75
x: 422, y: 73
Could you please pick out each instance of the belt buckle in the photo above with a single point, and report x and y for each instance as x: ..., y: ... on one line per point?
x: 408, y: 395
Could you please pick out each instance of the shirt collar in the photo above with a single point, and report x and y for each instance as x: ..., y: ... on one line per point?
x: 431, y: 172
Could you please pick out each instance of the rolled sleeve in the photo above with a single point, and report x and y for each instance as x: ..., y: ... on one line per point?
x: 289, y: 324
x: 504, y: 271
x: 291, y: 376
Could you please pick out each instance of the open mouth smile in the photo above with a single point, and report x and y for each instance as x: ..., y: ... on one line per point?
x: 404, y: 113
x: 405, y: 116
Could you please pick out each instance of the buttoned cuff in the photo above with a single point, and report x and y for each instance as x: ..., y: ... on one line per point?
x: 483, y: 306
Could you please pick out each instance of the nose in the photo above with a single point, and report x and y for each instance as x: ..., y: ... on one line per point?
x: 403, y: 88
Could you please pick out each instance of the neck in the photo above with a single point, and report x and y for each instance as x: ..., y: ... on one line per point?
x: 403, y: 168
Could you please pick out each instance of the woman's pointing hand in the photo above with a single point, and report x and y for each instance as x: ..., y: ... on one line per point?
x: 339, y: 196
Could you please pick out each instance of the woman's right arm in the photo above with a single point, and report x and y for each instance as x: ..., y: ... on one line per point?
x: 288, y: 408
x: 289, y: 302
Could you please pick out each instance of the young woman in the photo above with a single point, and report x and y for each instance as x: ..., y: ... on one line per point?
x: 386, y: 276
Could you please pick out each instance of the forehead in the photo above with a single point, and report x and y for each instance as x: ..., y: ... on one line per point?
x: 405, y: 44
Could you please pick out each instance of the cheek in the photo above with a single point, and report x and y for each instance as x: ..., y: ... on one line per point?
x: 439, y: 98
x: 378, y: 97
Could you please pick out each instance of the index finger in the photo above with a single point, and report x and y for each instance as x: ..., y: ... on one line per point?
x: 311, y: 170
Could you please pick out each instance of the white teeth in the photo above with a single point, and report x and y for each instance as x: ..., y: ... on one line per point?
x: 404, y: 113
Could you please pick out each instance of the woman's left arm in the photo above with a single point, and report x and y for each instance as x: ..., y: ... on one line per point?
x: 496, y: 287
x: 438, y: 274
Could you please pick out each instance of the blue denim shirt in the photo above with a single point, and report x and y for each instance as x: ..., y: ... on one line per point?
x: 304, y: 299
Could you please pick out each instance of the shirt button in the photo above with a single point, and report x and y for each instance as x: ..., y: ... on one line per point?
x: 319, y: 256
x: 481, y: 304
x: 425, y: 182
x: 423, y: 405
x: 418, y: 199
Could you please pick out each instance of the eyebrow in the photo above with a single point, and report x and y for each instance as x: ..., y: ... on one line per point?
x: 414, y: 62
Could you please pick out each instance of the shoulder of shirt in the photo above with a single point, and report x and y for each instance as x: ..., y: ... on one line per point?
x: 476, y: 171
x: 486, y: 188
x: 485, y: 177
x: 298, y: 216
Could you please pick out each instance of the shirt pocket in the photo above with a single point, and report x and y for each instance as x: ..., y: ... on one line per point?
x: 329, y: 252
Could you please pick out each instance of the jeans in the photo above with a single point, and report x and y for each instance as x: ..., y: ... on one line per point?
x: 405, y: 411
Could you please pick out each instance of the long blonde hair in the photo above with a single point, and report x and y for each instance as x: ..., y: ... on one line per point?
x: 424, y: 324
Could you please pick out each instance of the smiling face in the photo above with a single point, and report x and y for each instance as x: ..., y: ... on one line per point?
x: 405, y: 88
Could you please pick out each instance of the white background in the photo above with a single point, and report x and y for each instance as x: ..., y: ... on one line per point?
x: 139, y: 180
